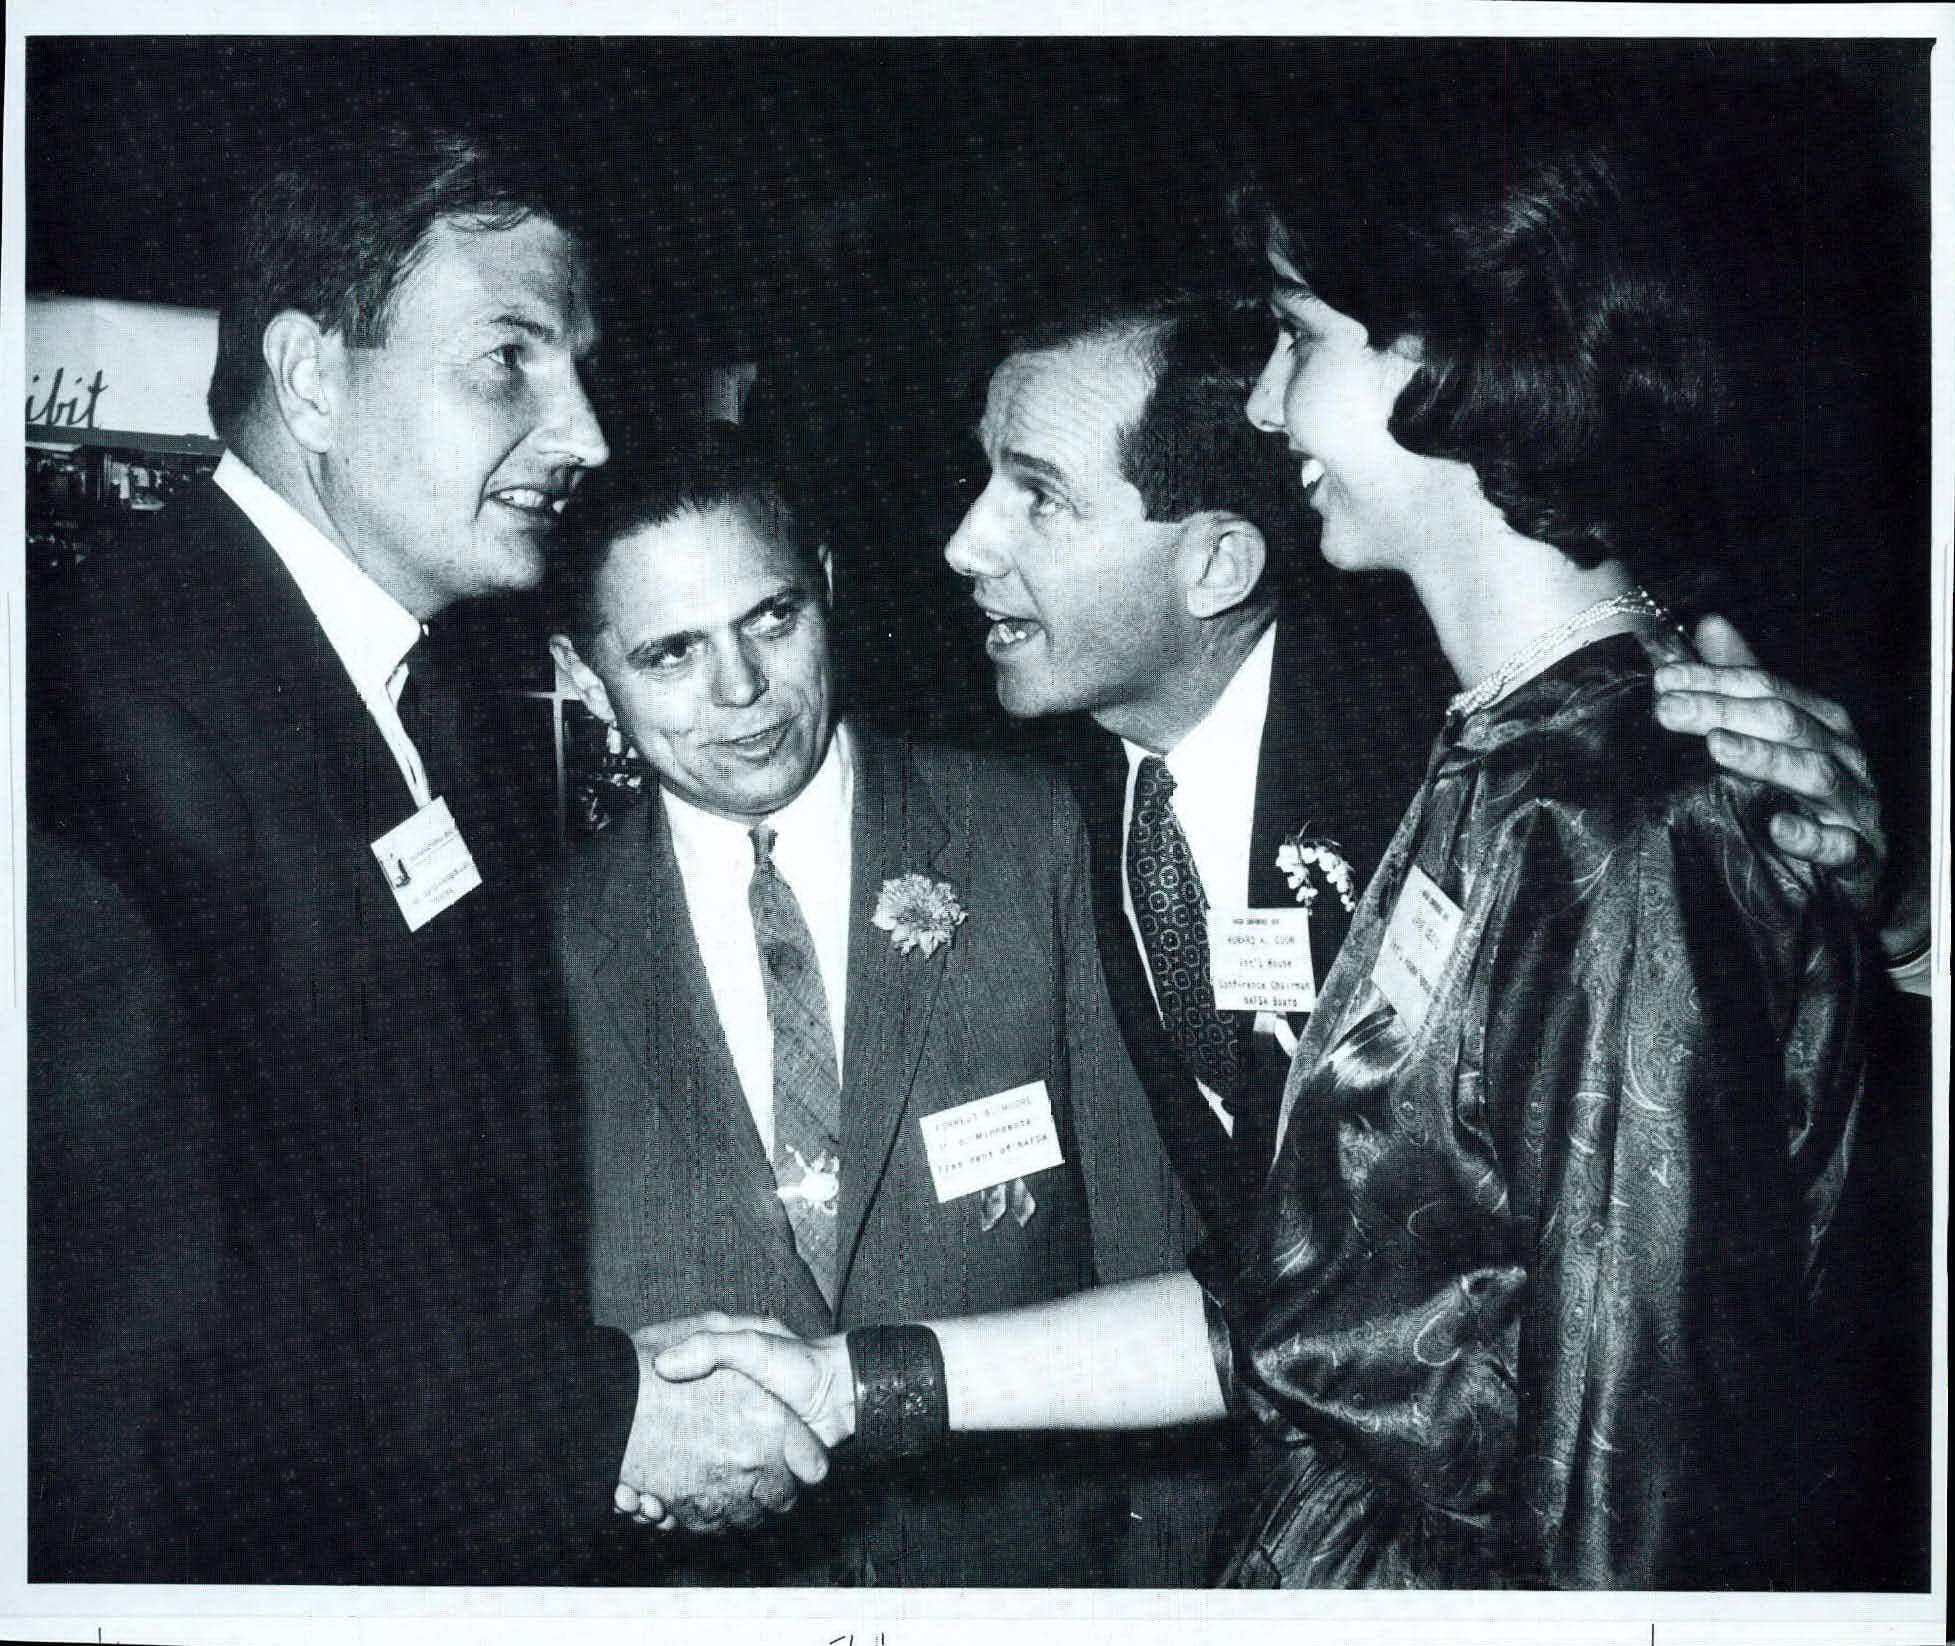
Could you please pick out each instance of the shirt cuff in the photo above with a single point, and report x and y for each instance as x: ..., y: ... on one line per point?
x: 1916, y: 974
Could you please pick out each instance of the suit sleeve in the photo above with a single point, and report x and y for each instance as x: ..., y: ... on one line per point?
x: 122, y: 1227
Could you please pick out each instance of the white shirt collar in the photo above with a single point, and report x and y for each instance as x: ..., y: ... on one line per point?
x: 370, y: 630
x: 816, y: 813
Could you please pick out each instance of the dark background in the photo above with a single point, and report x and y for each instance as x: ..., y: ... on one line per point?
x: 870, y: 221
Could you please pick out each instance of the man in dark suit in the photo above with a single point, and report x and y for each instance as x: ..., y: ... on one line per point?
x: 804, y: 979
x: 352, y: 1342
x: 1143, y: 559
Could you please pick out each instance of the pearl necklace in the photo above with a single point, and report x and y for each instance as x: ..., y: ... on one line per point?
x: 1521, y: 663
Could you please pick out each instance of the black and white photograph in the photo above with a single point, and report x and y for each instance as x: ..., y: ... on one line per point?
x: 1062, y: 822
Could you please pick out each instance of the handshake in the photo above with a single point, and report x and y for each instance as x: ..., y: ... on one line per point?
x: 734, y: 1416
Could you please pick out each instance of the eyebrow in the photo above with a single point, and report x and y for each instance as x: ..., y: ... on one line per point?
x: 1013, y: 458
x: 543, y: 331
x: 648, y: 649
x: 523, y: 323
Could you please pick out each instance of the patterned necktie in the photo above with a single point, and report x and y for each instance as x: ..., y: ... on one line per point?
x: 1172, y: 913
x: 807, y: 1085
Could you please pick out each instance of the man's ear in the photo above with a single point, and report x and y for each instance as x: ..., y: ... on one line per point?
x: 581, y: 676
x: 826, y: 560
x: 304, y: 363
x: 1224, y: 559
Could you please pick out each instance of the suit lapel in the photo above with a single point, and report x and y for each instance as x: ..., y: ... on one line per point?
x: 297, y: 681
x: 658, y: 992
x: 1196, y: 1144
x: 1307, y: 781
x: 1099, y: 780
x: 1341, y: 752
x: 896, y: 829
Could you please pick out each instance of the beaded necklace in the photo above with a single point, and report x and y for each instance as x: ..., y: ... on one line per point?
x: 1521, y: 663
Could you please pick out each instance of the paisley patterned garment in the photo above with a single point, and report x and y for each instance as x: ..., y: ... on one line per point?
x: 1532, y: 1281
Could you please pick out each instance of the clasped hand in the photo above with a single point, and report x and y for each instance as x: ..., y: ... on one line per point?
x: 712, y: 1446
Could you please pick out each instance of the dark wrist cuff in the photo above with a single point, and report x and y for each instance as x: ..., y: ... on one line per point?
x: 901, y: 1406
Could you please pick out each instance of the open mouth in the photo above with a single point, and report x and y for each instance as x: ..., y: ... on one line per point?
x: 1311, y: 472
x: 1007, y: 633
x: 758, y: 746
x: 533, y: 501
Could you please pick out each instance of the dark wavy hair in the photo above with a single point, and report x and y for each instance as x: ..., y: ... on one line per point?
x: 1566, y: 351
x: 335, y: 235
x: 716, y: 469
x: 1191, y: 448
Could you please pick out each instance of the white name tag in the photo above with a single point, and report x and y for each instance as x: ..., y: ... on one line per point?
x: 981, y: 1144
x: 427, y: 863
x: 1418, y: 942
x: 1259, y: 960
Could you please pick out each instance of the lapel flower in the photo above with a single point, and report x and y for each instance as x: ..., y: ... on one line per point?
x: 918, y: 913
x: 1302, y: 853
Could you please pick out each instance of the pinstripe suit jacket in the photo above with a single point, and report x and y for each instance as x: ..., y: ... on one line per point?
x: 684, y: 1216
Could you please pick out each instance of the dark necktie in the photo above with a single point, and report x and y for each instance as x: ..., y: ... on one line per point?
x: 427, y: 712
x: 807, y: 1084
x: 1172, y: 913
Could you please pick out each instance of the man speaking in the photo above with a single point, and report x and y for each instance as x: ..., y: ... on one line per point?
x: 1257, y: 721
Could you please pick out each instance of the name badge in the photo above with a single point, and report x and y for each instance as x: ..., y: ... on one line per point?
x: 427, y: 864
x: 1418, y: 942
x: 991, y: 1140
x: 1259, y: 960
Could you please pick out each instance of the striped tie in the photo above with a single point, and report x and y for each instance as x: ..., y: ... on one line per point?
x: 807, y: 1085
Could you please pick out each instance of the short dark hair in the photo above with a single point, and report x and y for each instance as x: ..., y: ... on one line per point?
x: 1192, y: 447
x: 718, y: 469
x: 335, y: 235
x: 1566, y: 351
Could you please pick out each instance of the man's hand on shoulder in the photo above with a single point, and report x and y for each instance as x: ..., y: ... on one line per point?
x: 1803, y: 745
x: 714, y: 1454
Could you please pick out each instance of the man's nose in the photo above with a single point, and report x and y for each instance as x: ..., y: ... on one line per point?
x: 738, y: 679
x: 1265, y: 407
x: 976, y: 548
x: 571, y: 432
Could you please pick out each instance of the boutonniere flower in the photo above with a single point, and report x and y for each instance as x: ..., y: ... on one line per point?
x: 1302, y: 856
x: 918, y: 913
x: 819, y: 1185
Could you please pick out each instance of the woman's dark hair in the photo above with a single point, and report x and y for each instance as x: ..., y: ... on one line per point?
x: 716, y: 469
x: 336, y: 234
x: 1565, y: 346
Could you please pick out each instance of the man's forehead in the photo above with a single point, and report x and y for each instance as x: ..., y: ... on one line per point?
x: 699, y: 569
x: 530, y: 273
x: 1076, y: 398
